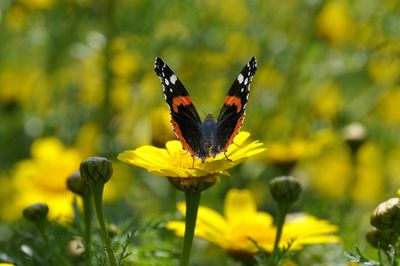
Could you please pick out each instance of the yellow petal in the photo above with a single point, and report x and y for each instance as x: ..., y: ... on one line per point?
x: 239, y: 205
x: 145, y: 156
x: 173, y: 146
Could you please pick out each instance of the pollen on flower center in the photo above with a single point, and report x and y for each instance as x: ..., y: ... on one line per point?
x: 181, y: 159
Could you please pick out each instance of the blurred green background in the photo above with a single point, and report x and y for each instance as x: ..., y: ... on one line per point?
x: 77, y: 80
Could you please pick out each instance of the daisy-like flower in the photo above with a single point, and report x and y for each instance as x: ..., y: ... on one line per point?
x: 42, y: 178
x: 242, y: 227
x: 189, y: 174
x: 175, y: 162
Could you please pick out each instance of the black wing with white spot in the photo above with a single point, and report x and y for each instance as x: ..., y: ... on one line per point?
x: 184, y: 117
x: 232, y: 114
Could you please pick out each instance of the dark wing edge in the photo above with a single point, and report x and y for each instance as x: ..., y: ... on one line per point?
x: 184, y: 117
x: 233, y: 111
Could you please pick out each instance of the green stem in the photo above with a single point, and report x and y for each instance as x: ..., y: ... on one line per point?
x: 87, y: 218
x: 280, y: 221
x: 192, y: 205
x: 97, y: 192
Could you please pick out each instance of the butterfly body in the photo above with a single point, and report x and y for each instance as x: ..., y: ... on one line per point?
x: 210, y: 137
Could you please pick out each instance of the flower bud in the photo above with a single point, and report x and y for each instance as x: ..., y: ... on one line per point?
x: 193, y: 183
x: 112, y: 230
x: 76, y: 248
x: 355, y: 135
x: 96, y: 168
x: 387, y: 215
x: 285, y: 189
x: 36, y: 212
x: 76, y: 184
x: 381, y: 239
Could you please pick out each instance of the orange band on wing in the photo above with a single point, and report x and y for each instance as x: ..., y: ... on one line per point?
x: 233, y: 100
x: 239, y: 124
x: 178, y: 133
x: 180, y: 100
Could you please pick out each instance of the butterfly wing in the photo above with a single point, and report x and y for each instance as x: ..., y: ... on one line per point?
x: 232, y: 114
x: 184, y: 117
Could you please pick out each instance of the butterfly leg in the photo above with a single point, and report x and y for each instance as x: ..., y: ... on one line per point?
x: 193, y: 162
x: 226, y: 156
x: 237, y: 145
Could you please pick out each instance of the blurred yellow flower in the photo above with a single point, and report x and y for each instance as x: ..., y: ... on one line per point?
x: 90, y: 80
x: 242, y: 225
x: 329, y: 167
x: 15, y: 18
x: 42, y: 179
x: 25, y: 90
x: 125, y: 63
x: 388, y: 107
x: 174, y: 161
x: 269, y: 77
x: 384, y: 68
x: 287, y: 152
x: 327, y: 101
x: 171, y: 29
x: 38, y: 4
x: 334, y: 22
x: 369, y: 170
x: 384, y: 64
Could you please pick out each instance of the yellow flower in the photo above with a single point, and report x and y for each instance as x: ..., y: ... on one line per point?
x: 176, y: 162
x: 287, y: 152
x: 242, y: 226
x: 327, y: 101
x: 388, y: 110
x: 38, y: 4
x: 335, y: 23
x: 42, y: 179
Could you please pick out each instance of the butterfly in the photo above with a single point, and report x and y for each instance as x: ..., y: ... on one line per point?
x: 210, y: 137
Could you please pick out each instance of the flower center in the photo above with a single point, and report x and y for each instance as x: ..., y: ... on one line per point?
x: 182, y: 159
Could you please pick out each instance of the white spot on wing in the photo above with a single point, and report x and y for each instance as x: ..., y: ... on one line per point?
x: 166, y: 82
x: 242, y: 90
x: 247, y: 96
x: 173, y: 79
x: 245, y: 81
x: 170, y: 90
x: 240, y: 78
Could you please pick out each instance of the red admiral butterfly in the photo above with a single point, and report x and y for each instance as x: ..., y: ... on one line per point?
x: 210, y: 137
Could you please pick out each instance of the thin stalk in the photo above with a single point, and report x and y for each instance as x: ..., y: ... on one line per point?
x: 192, y: 205
x: 97, y: 192
x: 280, y: 221
x: 87, y: 218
